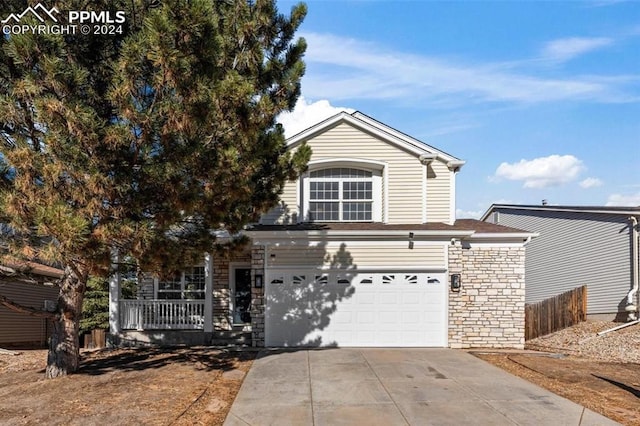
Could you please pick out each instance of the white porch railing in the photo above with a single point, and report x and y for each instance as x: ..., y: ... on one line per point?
x: 162, y: 314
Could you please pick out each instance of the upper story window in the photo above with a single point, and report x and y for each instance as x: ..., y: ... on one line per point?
x: 340, y: 194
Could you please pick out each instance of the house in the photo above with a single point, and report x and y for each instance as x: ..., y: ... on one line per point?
x: 362, y: 250
x: 579, y: 245
x: 32, y: 285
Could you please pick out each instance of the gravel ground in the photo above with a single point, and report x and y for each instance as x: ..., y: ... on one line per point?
x: 582, y: 340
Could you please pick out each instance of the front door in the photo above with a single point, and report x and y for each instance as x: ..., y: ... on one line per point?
x: 242, y: 296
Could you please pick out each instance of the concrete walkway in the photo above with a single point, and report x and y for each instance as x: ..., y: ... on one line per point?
x: 394, y: 387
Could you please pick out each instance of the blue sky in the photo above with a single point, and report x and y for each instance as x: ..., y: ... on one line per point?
x: 542, y: 99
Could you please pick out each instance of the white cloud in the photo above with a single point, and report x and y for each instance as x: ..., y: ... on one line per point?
x: 543, y: 172
x: 469, y: 214
x: 631, y: 200
x: 565, y: 49
x: 306, y: 114
x: 344, y: 68
x: 590, y: 182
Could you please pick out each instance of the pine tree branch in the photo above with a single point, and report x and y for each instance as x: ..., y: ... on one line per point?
x: 16, y: 307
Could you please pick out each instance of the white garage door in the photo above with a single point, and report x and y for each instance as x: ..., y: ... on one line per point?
x: 390, y: 309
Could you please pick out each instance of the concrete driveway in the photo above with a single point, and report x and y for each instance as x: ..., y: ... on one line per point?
x: 394, y: 387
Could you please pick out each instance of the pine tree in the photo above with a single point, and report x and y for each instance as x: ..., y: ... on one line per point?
x: 95, y: 304
x: 144, y: 141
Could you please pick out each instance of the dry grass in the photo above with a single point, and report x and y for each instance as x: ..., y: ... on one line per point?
x: 184, y: 386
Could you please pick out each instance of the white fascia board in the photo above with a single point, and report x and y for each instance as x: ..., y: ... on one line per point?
x: 513, y: 244
x: 372, y: 235
x: 408, y: 139
x: 375, y: 128
x: 317, y: 128
x: 559, y: 209
x: 501, y: 235
x: 487, y: 213
x: 517, y: 238
x: 456, y: 165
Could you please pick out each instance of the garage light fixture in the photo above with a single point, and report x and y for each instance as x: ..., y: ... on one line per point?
x: 456, y: 282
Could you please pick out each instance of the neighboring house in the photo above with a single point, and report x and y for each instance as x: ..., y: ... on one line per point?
x: 31, y: 285
x: 578, y: 245
x: 363, y: 250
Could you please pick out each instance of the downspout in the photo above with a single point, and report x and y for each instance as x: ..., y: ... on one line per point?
x: 632, y: 308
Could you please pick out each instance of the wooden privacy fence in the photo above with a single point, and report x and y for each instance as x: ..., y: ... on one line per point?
x: 555, y: 313
x: 95, y: 339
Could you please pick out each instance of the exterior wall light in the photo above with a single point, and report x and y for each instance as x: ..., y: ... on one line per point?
x: 456, y: 282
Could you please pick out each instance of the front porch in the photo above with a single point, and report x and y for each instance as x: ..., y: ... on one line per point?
x: 162, y: 314
x: 198, y: 307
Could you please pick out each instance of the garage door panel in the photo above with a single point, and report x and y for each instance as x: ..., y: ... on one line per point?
x: 390, y: 336
x: 389, y: 317
x: 411, y: 298
x: 411, y: 318
x: 363, y: 299
x: 366, y: 317
x: 342, y: 317
x: 375, y: 309
x: 388, y: 298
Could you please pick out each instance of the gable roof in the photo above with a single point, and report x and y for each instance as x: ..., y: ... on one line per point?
x: 627, y: 211
x: 380, y: 130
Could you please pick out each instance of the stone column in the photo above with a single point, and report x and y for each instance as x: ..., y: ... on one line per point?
x: 489, y: 309
x: 257, y: 296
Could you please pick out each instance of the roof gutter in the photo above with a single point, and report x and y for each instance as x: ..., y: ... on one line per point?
x: 503, y: 235
x: 392, y: 235
x: 548, y: 208
x: 357, y: 234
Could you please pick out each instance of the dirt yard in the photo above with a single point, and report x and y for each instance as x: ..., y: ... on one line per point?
x: 196, y: 386
x: 601, y: 373
x: 186, y: 386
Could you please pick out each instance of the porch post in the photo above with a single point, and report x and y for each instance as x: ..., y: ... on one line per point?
x: 208, y: 293
x: 114, y: 294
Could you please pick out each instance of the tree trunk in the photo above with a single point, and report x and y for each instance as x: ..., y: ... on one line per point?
x: 64, y: 347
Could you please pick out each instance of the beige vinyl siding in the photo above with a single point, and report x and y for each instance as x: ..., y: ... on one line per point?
x: 439, y: 193
x: 16, y: 328
x: 357, y: 256
x: 404, y: 170
x: 287, y: 209
x: 402, y: 192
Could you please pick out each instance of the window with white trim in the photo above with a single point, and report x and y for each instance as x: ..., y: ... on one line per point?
x: 341, y: 194
x: 188, y: 284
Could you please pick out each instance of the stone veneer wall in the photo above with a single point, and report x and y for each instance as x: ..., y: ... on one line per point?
x: 221, y: 289
x: 257, y: 296
x: 489, y: 309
